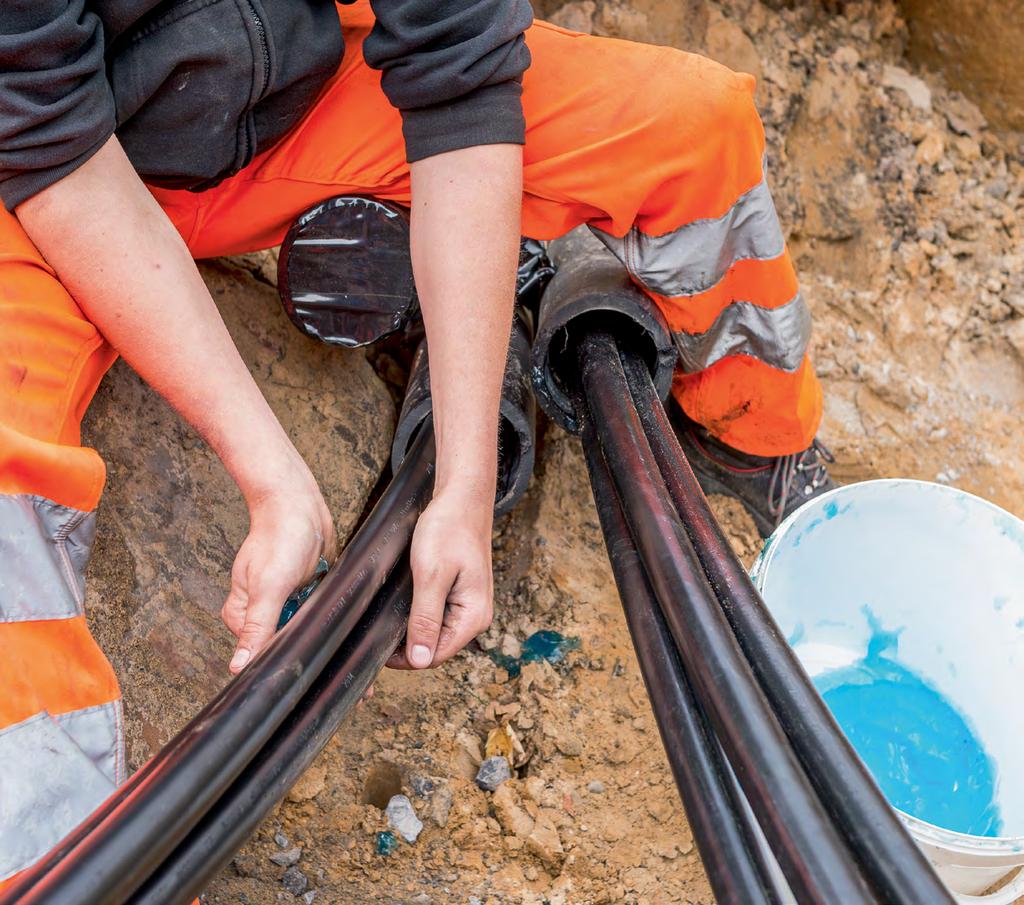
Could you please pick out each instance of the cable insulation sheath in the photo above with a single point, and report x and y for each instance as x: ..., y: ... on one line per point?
x: 811, y: 853
x: 890, y: 858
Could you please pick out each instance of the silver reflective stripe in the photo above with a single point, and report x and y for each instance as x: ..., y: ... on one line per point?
x: 98, y: 732
x: 697, y: 255
x: 48, y: 785
x: 44, y: 548
x: 777, y: 336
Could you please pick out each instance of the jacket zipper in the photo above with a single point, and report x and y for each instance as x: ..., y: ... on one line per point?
x: 261, y: 34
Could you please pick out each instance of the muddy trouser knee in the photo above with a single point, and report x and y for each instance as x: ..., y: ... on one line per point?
x: 61, y: 739
x: 670, y: 174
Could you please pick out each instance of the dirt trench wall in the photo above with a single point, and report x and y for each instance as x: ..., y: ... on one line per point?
x: 171, y: 518
x: 978, y: 45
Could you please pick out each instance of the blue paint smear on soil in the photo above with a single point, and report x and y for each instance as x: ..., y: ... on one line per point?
x: 920, y: 749
x: 542, y: 645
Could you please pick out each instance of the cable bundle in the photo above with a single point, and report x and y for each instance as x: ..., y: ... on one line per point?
x: 181, y: 817
x: 740, y: 720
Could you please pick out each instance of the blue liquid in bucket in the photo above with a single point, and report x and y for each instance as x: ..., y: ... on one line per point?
x: 919, y: 748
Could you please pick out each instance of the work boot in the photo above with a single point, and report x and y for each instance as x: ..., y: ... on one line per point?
x: 770, y: 487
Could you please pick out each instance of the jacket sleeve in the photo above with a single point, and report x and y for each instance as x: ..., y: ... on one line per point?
x: 454, y: 69
x: 56, y: 107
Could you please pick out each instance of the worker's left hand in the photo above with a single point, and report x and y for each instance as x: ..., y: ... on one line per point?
x: 453, y: 593
x: 288, y: 533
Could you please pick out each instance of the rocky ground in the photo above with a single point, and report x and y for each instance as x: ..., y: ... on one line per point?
x: 905, y: 215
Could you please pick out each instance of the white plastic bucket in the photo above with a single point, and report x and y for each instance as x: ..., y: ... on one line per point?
x: 947, y: 569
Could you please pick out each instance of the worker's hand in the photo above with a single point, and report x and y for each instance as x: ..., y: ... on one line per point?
x: 289, y: 530
x: 451, y: 564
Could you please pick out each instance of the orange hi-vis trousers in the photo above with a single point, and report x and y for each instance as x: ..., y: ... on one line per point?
x: 660, y: 152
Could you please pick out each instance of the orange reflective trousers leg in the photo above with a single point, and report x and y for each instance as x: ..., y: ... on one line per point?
x: 61, y: 749
x: 660, y: 152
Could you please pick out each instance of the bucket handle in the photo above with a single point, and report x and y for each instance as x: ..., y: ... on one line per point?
x: 1005, y: 896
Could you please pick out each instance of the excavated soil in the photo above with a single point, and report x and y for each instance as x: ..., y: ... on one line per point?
x: 904, y: 212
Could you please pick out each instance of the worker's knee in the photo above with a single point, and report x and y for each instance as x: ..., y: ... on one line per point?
x: 703, y: 111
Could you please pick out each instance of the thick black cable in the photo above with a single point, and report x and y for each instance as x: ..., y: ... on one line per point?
x: 292, y: 748
x: 107, y: 858
x: 812, y: 855
x: 890, y: 858
x: 728, y: 846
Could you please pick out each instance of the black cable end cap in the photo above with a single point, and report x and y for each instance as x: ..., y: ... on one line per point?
x: 517, y: 430
x: 591, y: 287
x: 345, y: 272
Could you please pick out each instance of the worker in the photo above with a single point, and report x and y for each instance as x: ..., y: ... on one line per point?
x: 136, y: 135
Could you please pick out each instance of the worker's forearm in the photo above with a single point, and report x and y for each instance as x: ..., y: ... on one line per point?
x: 129, y: 271
x: 465, y: 246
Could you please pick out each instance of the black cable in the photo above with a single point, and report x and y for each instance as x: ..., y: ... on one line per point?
x: 292, y: 748
x: 811, y: 853
x: 729, y: 850
x: 891, y: 859
x: 108, y: 856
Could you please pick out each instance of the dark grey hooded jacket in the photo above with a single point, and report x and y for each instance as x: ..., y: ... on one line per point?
x: 195, y: 88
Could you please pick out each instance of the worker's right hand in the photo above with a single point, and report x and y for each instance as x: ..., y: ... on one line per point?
x: 289, y: 531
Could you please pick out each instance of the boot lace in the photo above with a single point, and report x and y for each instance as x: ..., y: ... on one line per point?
x: 809, y: 466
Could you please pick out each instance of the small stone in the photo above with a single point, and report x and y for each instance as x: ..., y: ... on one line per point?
x: 475, y: 900
x: 575, y: 17
x: 846, y: 56
x: 441, y: 806
x: 963, y: 117
x: 596, y: 787
x: 919, y: 93
x: 492, y: 773
x: 245, y: 865
x: 544, y: 842
x: 281, y: 839
x: 660, y: 809
x: 510, y: 813
x: 309, y: 897
x: 294, y: 880
x: 510, y: 646
x: 422, y: 786
x: 931, y: 149
x: 287, y: 858
x: 967, y: 147
x: 467, y: 754
x: 309, y: 785
x: 568, y: 745
x: 402, y: 818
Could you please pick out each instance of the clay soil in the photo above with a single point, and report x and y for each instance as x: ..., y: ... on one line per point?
x: 904, y: 211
